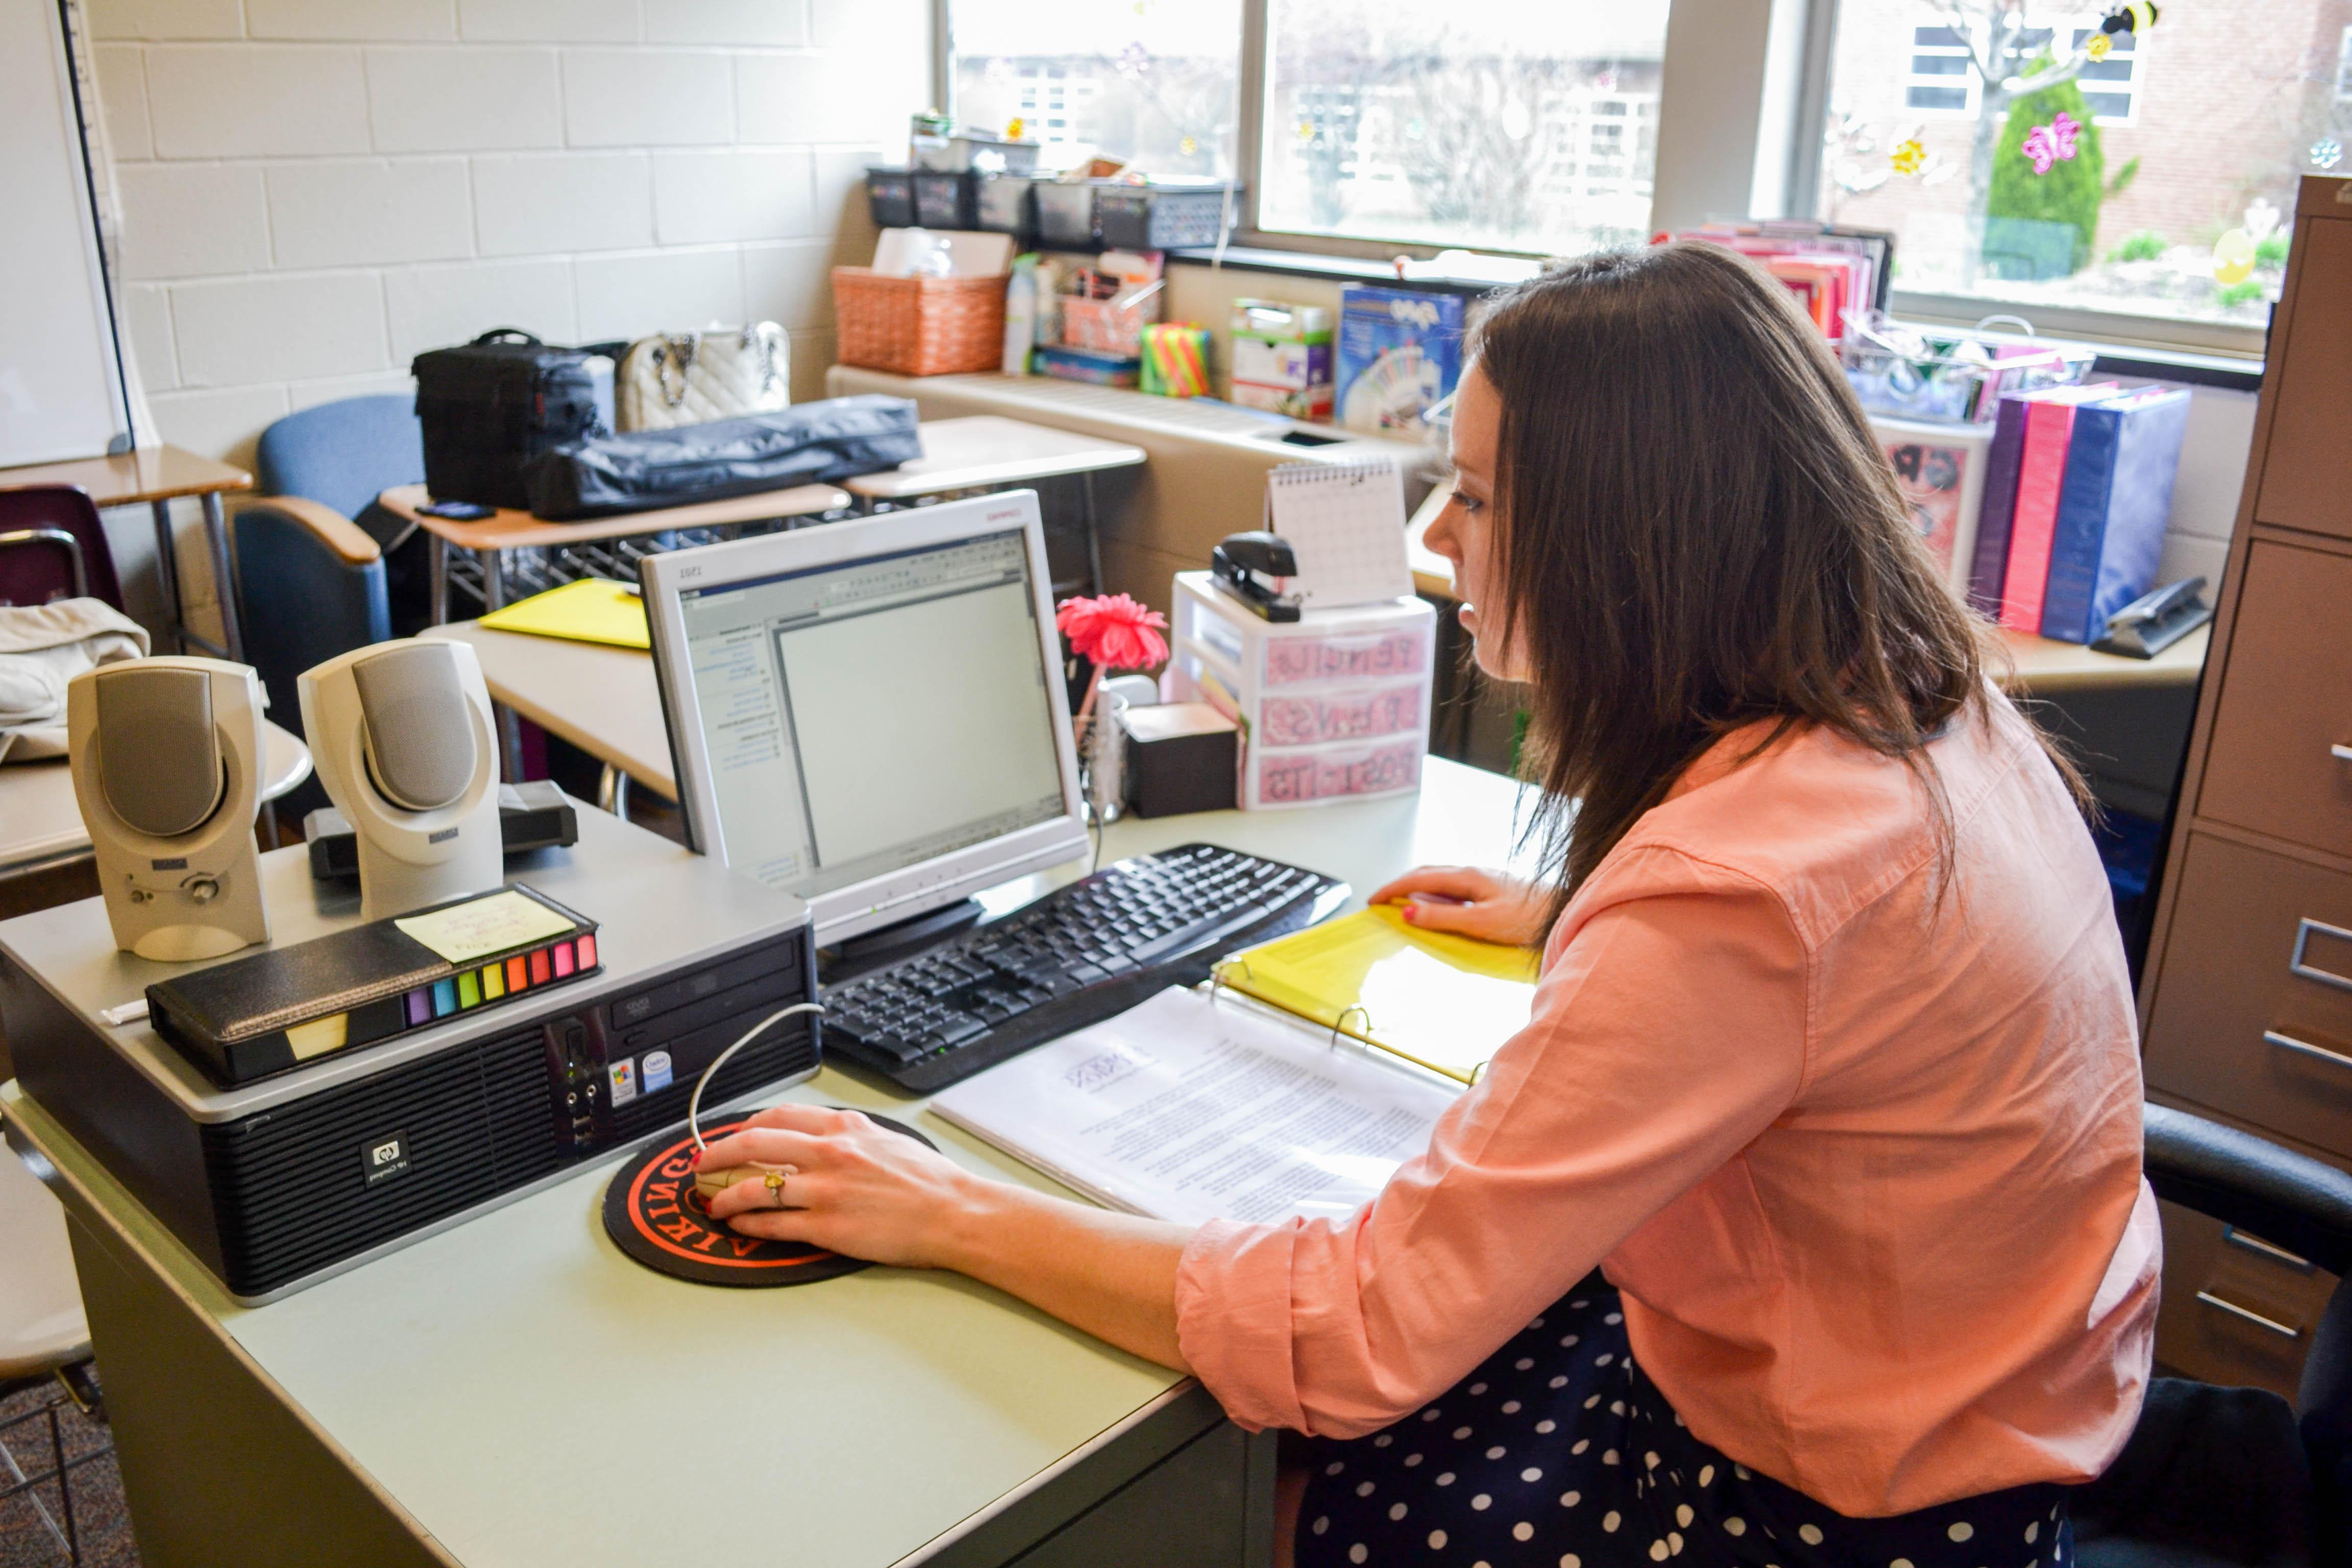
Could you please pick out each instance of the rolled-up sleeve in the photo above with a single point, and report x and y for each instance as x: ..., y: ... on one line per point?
x: 1669, y: 1029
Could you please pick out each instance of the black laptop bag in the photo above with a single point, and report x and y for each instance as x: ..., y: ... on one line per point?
x: 813, y: 443
x: 490, y: 406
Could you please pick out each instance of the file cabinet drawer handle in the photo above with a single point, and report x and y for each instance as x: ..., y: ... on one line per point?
x: 2305, y: 1047
x: 2218, y: 1304
x: 2261, y: 1249
x: 2303, y: 931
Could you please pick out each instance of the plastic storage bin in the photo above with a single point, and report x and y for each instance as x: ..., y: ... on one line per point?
x: 1065, y: 212
x: 1165, y: 214
x: 943, y: 200
x: 1001, y: 204
x: 890, y: 196
x: 1330, y: 707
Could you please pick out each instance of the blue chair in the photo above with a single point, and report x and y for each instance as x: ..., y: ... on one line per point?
x: 310, y: 553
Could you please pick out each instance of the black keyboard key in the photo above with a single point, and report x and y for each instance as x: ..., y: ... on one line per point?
x: 958, y: 1027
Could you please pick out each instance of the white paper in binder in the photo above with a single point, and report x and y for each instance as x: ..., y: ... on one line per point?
x: 1346, y: 522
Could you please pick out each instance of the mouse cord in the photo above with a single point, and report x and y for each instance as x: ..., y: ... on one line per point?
x: 694, y: 1100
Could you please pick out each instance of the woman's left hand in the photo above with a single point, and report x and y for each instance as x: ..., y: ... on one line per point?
x: 858, y: 1189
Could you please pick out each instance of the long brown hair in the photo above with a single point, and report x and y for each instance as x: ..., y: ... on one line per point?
x: 1696, y: 531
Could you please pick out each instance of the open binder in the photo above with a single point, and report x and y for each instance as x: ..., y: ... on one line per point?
x: 1438, y: 1001
x: 1273, y: 1091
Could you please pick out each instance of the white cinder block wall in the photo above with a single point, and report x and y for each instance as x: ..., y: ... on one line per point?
x: 315, y: 191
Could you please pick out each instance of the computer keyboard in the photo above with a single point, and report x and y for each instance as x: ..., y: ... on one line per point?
x: 1076, y: 956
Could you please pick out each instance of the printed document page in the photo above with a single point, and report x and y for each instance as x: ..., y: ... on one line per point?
x: 1189, y: 1109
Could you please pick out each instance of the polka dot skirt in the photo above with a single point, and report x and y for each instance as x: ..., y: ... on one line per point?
x: 1559, y: 1451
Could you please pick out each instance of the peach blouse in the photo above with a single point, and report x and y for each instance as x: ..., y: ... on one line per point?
x: 1864, y: 1161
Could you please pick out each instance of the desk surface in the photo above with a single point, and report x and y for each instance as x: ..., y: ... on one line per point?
x: 601, y: 698
x: 987, y: 449
x: 530, y: 1397
x: 507, y: 528
x: 149, y: 474
x: 2041, y: 665
x: 40, y: 820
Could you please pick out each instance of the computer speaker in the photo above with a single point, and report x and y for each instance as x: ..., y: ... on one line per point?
x: 167, y: 759
x: 406, y: 747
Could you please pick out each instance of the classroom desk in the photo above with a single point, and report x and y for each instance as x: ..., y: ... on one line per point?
x: 514, y: 1393
x: 156, y: 476
x: 40, y: 821
x: 986, y: 451
x: 495, y: 543
x: 2040, y: 666
x: 601, y: 698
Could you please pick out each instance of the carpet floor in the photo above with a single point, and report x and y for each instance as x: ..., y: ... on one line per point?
x: 99, y: 1516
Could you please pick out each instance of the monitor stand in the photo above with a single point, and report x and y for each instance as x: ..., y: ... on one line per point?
x: 870, y: 949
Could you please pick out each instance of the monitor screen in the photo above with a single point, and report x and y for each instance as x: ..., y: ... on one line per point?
x: 867, y: 700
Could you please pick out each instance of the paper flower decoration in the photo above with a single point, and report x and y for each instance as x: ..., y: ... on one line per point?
x: 2098, y: 47
x: 2233, y: 256
x: 1014, y: 127
x: 1910, y: 155
x: 2327, y: 153
x: 2052, y: 143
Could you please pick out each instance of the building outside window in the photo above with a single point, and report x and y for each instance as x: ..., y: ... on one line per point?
x: 1153, y: 81
x: 1514, y: 127
x: 2197, y: 128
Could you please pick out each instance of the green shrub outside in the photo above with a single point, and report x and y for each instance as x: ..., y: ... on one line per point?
x: 2070, y: 193
x: 2271, y: 250
x: 2145, y: 245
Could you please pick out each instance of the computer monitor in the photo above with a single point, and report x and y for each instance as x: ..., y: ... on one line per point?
x: 870, y: 714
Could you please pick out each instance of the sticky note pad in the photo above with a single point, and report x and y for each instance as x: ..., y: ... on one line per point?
x: 518, y: 973
x: 494, y: 982
x: 479, y: 927
x: 445, y: 998
x: 587, y: 946
x: 540, y: 973
x: 469, y: 990
x: 563, y: 951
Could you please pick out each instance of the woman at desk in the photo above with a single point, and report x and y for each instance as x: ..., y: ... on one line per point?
x: 1831, y: 1068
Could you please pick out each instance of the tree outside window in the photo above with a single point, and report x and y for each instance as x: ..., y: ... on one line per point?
x: 2172, y: 137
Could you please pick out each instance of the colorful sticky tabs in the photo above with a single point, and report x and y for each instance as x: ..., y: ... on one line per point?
x: 469, y: 990
x: 420, y: 1006
x: 518, y: 973
x: 587, y: 946
x: 563, y: 951
x: 494, y: 982
x: 540, y: 973
x: 445, y: 998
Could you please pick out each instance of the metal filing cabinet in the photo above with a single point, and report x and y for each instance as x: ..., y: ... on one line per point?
x: 2246, y: 1001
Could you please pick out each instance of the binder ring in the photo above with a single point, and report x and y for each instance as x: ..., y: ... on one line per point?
x: 1217, y: 976
x: 1340, y: 1023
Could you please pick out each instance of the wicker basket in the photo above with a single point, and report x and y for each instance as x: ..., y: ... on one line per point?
x: 918, y: 326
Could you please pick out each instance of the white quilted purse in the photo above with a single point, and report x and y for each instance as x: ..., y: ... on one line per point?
x: 697, y: 377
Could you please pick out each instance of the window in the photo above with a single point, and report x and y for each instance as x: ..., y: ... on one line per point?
x: 1154, y: 80
x: 2196, y: 128
x: 1505, y: 126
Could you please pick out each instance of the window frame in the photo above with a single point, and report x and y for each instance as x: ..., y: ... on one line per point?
x: 1789, y: 89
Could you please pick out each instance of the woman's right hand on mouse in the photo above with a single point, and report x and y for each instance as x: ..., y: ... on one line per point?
x: 1469, y: 902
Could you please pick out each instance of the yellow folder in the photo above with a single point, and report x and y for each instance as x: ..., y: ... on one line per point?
x: 1439, y: 1001
x: 590, y: 610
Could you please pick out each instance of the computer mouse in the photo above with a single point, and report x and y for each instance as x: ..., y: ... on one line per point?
x: 718, y: 1178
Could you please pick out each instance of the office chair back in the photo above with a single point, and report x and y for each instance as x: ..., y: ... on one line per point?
x: 2235, y: 1475
x: 52, y: 546
x: 343, y: 454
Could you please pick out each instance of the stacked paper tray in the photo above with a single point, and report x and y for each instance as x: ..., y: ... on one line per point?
x: 1334, y: 706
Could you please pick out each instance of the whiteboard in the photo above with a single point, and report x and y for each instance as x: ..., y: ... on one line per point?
x: 61, y: 378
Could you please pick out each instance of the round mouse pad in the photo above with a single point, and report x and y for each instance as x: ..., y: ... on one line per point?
x: 653, y: 1212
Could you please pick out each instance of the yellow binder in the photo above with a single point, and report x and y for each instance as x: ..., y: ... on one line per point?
x: 590, y: 610
x: 1440, y: 1001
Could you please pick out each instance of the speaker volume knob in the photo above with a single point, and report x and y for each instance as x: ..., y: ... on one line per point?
x: 204, y: 889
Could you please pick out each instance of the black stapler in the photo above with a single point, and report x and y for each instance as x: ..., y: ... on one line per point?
x: 1242, y: 565
x: 2154, y: 622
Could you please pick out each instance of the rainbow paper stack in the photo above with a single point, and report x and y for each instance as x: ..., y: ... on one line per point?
x: 1176, y: 360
